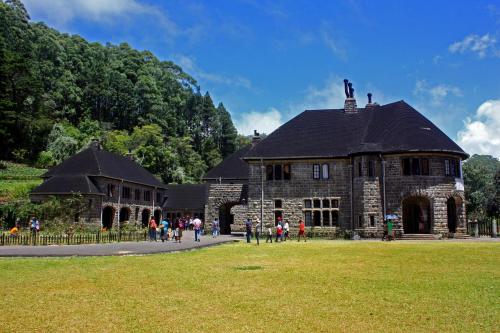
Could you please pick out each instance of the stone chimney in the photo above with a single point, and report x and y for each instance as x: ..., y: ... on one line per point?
x: 370, y: 104
x: 350, y: 102
x: 256, y: 138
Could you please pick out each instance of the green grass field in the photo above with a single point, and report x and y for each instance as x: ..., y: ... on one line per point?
x: 319, y: 286
x: 17, y: 180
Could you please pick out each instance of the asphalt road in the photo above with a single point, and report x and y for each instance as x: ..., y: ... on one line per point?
x: 124, y: 248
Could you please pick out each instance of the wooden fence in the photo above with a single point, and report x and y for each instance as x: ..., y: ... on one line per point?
x: 74, y: 239
x: 485, y: 228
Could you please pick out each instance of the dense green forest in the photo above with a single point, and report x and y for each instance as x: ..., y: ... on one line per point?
x: 58, y: 92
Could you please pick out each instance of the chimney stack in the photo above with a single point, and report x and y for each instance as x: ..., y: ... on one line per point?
x: 370, y: 103
x: 256, y: 138
x: 350, y: 105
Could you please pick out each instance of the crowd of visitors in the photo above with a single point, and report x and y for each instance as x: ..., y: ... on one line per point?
x: 282, y: 231
x: 172, y: 230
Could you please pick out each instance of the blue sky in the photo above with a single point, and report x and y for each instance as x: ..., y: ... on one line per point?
x: 269, y: 60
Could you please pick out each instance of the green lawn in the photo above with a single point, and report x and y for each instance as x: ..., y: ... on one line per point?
x: 319, y: 286
x: 17, y: 180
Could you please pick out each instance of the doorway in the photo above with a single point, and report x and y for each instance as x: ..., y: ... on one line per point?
x: 451, y: 207
x: 416, y: 215
x: 108, y: 214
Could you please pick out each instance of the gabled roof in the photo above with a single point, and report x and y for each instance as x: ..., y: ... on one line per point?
x: 97, y: 162
x: 232, y: 167
x: 391, y: 128
x: 186, y: 196
x: 67, y: 185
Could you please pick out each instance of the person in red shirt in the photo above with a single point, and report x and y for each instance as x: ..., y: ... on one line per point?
x: 152, y: 229
x: 302, y: 231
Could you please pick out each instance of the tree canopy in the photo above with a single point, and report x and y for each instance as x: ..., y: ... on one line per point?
x: 59, y: 91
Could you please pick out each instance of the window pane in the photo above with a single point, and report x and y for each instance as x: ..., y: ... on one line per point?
x: 415, y: 166
x: 326, y: 203
x: 326, y: 218
x: 308, y: 218
x: 287, y: 172
x: 325, y: 171
x: 425, y: 166
x: 335, y: 218
x: 277, y: 172
x: 406, y: 167
x: 317, y: 218
x: 447, y: 167
x: 372, y: 221
x: 307, y: 204
x: 371, y: 168
x: 317, y: 203
x: 315, y: 171
x: 457, y: 169
x: 278, y: 204
x: 452, y: 167
x: 335, y: 203
x: 269, y: 172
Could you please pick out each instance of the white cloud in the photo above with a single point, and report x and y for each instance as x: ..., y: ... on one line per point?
x: 481, y: 135
x: 61, y: 12
x: 436, y: 93
x: 263, y: 122
x: 331, y: 40
x: 189, y: 65
x: 481, y: 45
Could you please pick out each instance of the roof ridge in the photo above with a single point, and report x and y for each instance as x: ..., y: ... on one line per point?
x: 92, y: 150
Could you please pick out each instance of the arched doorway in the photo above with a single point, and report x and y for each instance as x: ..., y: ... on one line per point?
x: 145, y: 217
x: 451, y: 207
x: 157, y: 215
x: 124, y: 214
x: 416, y: 215
x: 225, y: 218
x: 108, y: 214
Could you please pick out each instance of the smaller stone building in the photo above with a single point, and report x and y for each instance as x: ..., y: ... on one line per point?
x: 118, y: 190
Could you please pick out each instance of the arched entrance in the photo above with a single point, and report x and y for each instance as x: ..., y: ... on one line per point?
x: 226, y: 218
x: 145, y: 217
x: 451, y: 207
x: 108, y: 214
x: 416, y: 215
x: 157, y: 215
x: 124, y: 215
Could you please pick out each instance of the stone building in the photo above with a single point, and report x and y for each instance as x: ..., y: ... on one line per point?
x: 117, y: 189
x: 347, y: 168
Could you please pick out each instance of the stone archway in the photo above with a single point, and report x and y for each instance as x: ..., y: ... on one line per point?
x: 108, y: 215
x: 451, y: 210
x: 417, y: 215
x: 226, y: 219
x: 125, y: 215
x: 145, y: 217
x: 157, y: 215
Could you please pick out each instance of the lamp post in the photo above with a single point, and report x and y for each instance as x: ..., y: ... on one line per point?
x: 261, y: 195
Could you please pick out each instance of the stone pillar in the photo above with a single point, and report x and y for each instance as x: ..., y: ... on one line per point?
x: 494, y: 228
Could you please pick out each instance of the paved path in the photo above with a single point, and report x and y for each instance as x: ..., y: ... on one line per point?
x: 124, y: 248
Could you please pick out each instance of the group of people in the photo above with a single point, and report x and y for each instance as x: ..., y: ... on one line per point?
x: 34, y: 225
x: 173, y: 230
x: 282, y: 231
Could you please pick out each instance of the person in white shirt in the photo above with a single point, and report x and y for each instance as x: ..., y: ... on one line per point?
x: 286, y: 228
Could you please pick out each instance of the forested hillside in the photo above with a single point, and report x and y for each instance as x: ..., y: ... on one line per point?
x: 58, y: 92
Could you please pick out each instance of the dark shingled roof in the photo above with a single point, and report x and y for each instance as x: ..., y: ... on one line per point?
x: 186, y: 196
x: 66, y: 185
x: 233, y: 167
x: 390, y: 128
x: 97, y: 162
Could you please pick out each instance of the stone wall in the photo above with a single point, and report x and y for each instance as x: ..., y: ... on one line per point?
x: 367, y: 191
x: 224, y: 194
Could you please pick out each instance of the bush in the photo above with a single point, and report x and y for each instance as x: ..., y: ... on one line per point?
x: 45, y: 160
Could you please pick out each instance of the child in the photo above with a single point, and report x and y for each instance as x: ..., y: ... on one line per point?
x: 169, y: 234
x: 279, y: 232
x: 269, y: 234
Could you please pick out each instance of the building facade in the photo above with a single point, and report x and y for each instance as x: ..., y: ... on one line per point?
x: 347, y: 168
x: 118, y: 191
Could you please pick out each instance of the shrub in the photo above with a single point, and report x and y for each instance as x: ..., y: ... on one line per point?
x: 45, y: 160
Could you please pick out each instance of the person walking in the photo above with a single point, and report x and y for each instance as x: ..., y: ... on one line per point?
x: 257, y: 231
x: 152, y: 229
x: 390, y: 225
x: 33, y: 223
x: 279, y: 232
x: 181, y: 228
x: 302, y: 231
x: 286, y: 229
x: 176, y: 230
x: 248, y: 227
x: 215, y: 228
x: 197, y: 229
x: 269, y: 237
x: 164, y: 230
x: 384, y: 235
